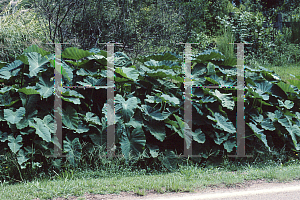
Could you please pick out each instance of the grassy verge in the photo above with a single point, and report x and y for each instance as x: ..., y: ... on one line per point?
x: 115, y: 179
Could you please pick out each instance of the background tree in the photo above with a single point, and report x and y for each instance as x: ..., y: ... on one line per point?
x: 58, y: 15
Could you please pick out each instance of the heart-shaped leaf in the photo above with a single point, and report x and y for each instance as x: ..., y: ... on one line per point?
x: 14, y: 143
x: 41, y: 129
x: 70, y: 118
x: 36, y: 63
x: 73, y: 148
x: 133, y: 142
x: 14, y: 117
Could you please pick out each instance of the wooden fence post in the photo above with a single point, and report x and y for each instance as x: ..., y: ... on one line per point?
x: 278, y: 23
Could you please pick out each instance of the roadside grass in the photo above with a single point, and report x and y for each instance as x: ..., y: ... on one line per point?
x: 187, y: 177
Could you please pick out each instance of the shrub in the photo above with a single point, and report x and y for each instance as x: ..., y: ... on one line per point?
x: 19, y: 30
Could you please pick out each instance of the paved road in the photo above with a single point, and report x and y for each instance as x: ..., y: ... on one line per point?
x: 264, y: 191
x: 249, y: 190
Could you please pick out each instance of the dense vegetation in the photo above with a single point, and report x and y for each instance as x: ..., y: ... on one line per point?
x: 149, y: 107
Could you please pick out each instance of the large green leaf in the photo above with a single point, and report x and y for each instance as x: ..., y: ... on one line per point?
x: 2, y: 64
x: 229, y: 72
x: 126, y: 108
x: 6, y: 72
x: 287, y: 104
x: 14, y: 143
x: 29, y: 102
x: 22, y: 158
x: 36, y: 63
x: 209, y: 55
x: 263, y: 89
x: 133, y: 142
x: 153, y: 150
x: 25, y: 120
x: 295, y: 83
x: 66, y: 70
x: 100, y: 57
x: 14, y: 117
x: 35, y: 48
x: 3, y: 136
x: 220, y: 137
x: 219, y: 81
x: 160, y: 73
x: 292, y: 129
x: 267, y: 124
x: 72, y: 100
x: 28, y: 90
x: 45, y: 87
x: 229, y: 145
x: 207, y: 99
x: 79, y: 63
x: 91, y: 118
x: 210, y: 69
x: 134, y: 123
x: 160, y: 57
x: 153, y: 99
x: 226, y: 62
x: 155, y: 114
x: 169, y: 160
x: 82, y: 128
x: 86, y: 72
x: 165, y: 64
x: 274, y: 116
x: 173, y: 100
x: 71, y: 96
x: 259, y: 133
x: 5, y: 89
x: 199, y: 136
x: 183, y: 130
x: 49, y: 123
x: 129, y: 73
x: 42, y: 129
x: 222, y: 123
x: 121, y: 60
x: 226, y: 99
x: 73, y: 148
x: 91, y: 81
x: 156, y: 128
x: 71, y: 93
x: 75, y: 53
x: 286, y: 87
x: 70, y: 118
x: 98, y: 139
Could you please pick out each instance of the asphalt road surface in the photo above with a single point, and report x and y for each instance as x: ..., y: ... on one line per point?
x: 248, y: 190
x: 257, y: 191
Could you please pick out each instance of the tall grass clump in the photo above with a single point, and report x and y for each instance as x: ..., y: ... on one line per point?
x: 223, y: 42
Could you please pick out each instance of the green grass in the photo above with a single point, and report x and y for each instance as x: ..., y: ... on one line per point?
x: 185, y: 179
x: 117, y: 177
x: 287, y: 71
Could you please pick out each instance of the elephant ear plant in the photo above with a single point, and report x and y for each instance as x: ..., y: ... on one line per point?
x: 148, y: 107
